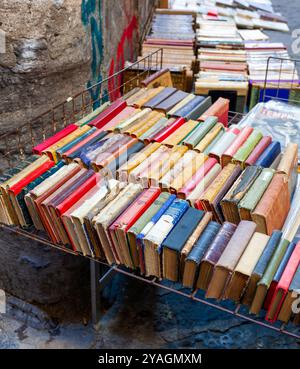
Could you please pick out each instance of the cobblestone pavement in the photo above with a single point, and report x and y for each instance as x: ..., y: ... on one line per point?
x: 141, y: 316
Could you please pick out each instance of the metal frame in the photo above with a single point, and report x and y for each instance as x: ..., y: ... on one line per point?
x: 100, y: 272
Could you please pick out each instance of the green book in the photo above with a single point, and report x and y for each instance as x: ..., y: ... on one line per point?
x: 199, y: 132
x: 255, y: 193
x: 141, y: 223
x: 265, y: 282
x: 245, y: 150
x: 209, y: 148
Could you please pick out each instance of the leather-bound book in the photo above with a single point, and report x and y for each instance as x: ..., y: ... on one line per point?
x: 289, y: 165
x: 234, y: 147
x: 269, y: 155
x: 224, y: 143
x: 258, y: 150
x: 278, y: 274
x: 261, y: 267
x: 248, y: 146
x: 163, y: 95
x: 192, y: 261
x: 162, y: 135
x: 199, y: 132
x: 107, y: 215
x: 209, y: 138
x: 219, y: 109
x: 213, y: 254
x: 176, y: 137
x: 171, y: 101
x: 230, y: 202
x: 264, y: 283
x: 245, y: 266
x: 121, y: 225
x: 205, y: 220
x: 291, y: 295
x: 229, y: 259
x: 138, y: 226
x: 214, y: 189
x: 157, y: 235
x: 283, y: 285
x: 203, y: 184
x: 192, y: 110
x: 254, y: 194
x: 103, y: 118
x: 176, y: 240
x: 273, y: 208
x: 192, y: 183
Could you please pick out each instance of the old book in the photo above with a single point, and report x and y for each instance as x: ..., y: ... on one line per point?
x: 283, y: 285
x: 192, y: 261
x: 103, y: 118
x: 258, y: 150
x: 292, y: 294
x: 146, y: 121
x: 272, y: 209
x: 138, y: 131
x: 269, y: 155
x: 289, y: 164
x: 203, y: 145
x: 194, y: 108
x: 171, y: 101
x: 148, y: 95
x: 203, y: 184
x: 193, y: 182
x: 134, y: 119
x: 118, y: 230
x: 260, y: 267
x: 254, y: 194
x: 289, y: 251
x: 176, y: 240
x: 213, y: 254
x: 230, y: 202
x: 245, y: 150
x: 265, y: 282
x: 126, y: 113
x: 179, y: 135
x: 199, y: 132
x: 138, y: 226
x: 219, y: 109
x: 180, y: 104
x: 159, y: 98
x: 245, y: 266
x: 223, y: 143
x: 237, y: 143
x: 229, y: 259
x: 157, y: 235
x: 106, y: 217
x: 166, y: 132
x: 213, y: 190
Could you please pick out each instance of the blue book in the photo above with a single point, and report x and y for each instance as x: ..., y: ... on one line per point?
x: 269, y: 155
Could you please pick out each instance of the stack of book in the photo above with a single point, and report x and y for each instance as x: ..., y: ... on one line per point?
x: 157, y: 181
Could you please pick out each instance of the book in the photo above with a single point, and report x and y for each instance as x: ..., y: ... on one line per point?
x: 272, y: 209
x: 226, y: 264
x: 289, y: 165
x: 199, y: 132
x: 260, y: 267
x: 213, y: 254
x: 224, y: 143
x: 194, y: 108
x: 241, y: 186
x: 109, y: 113
x: 258, y: 150
x: 118, y: 229
x: 265, y: 282
x: 154, y: 239
x: 248, y: 203
x: 245, y: 266
x: 269, y: 155
x: 171, y: 101
x: 245, y: 150
x: 209, y: 138
x: 166, y: 132
x: 176, y: 240
x: 219, y: 109
x: 159, y: 98
x: 192, y: 261
x: 179, y: 135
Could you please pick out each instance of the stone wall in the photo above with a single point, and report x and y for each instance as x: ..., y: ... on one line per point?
x: 55, y: 48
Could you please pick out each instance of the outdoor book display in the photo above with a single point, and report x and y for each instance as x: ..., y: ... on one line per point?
x: 157, y: 181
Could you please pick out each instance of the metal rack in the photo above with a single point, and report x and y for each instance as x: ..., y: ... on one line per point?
x: 20, y: 142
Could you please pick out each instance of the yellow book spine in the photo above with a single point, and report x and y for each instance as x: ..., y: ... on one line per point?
x: 211, y: 135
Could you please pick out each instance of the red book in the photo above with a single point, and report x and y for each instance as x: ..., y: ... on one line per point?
x: 51, y: 140
x: 120, y: 226
x: 103, y: 118
x: 162, y: 135
x: 258, y: 150
x: 237, y: 143
x: 196, y: 178
x: 17, y: 188
x: 283, y: 285
x: 198, y: 205
x: 219, y: 109
x: 77, y: 194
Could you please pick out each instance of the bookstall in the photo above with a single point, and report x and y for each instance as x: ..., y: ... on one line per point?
x: 182, y: 135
